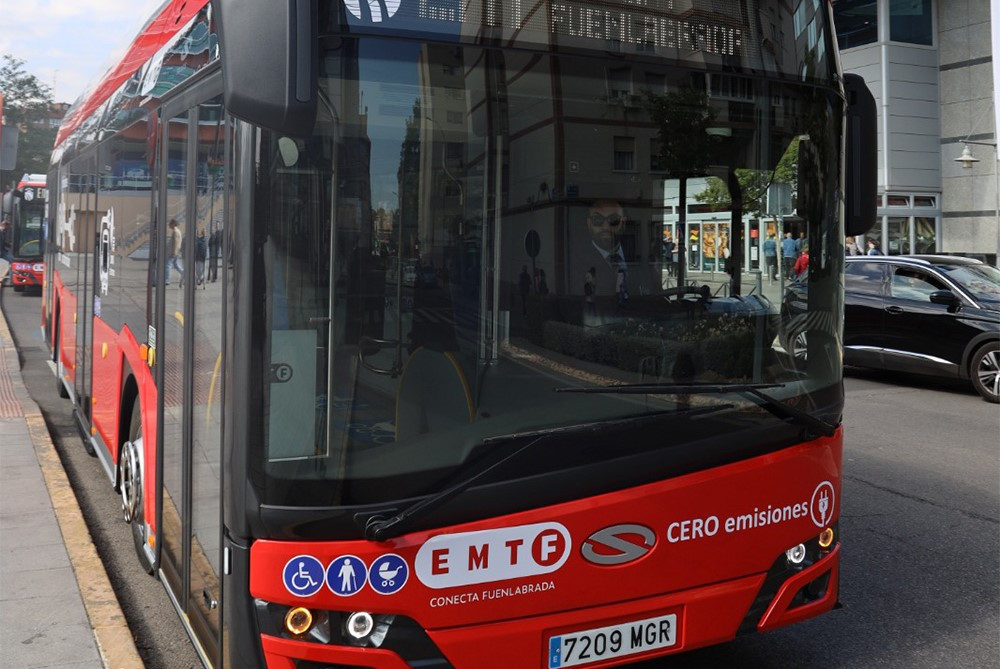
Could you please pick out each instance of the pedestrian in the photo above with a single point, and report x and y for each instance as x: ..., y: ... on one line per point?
x: 524, y: 287
x: 802, y: 262
x: 175, y: 242
x: 200, y: 255
x: 589, y: 283
x: 543, y: 285
x: 214, y: 253
x: 6, y: 247
x: 851, y: 247
x: 621, y: 287
x: 770, y: 247
x: 873, y: 248
x: 788, y: 254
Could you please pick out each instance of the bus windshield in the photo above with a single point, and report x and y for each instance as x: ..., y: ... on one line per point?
x: 468, y: 230
x: 29, y: 231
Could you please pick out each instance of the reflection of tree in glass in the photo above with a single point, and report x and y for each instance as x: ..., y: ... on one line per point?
x: 754, y: 184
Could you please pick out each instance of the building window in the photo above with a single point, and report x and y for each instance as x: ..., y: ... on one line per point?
x: 619, y: 82
x: 898, y: 201
x: 624, y: 158
x: 910, y: 21
x: 924, y: 201
x: 656, y: 162
x: 856, y: 22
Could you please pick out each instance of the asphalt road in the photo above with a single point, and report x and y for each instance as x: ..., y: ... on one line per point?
x: 920, y: 578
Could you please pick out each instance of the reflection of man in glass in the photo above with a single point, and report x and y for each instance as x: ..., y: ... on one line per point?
x: 606, y: 220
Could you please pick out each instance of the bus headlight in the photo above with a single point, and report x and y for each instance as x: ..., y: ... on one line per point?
x: 359, y: 625
x: 796, y: 554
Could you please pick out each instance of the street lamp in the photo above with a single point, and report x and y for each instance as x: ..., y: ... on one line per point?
x: 968, y: 160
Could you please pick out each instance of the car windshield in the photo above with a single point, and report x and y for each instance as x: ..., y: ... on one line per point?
x: 981, y: 281
x: 467, y: 230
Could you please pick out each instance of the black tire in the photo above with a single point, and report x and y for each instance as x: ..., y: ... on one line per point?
x: 18, y: 288
x: 130, y: 486
x: 984, y: 371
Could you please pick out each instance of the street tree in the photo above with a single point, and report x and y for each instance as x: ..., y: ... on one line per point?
x: 26, y: 101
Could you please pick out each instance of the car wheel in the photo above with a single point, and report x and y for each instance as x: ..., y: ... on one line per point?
x: 985, y: 372
x: 130, y: 486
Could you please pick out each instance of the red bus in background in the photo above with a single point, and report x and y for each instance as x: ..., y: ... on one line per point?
x: 549, y: 451
x: 29, y: 227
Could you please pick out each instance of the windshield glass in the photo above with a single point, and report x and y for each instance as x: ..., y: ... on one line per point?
x: 982, y: 281
x: 468, y: 230
x: 28, y: 232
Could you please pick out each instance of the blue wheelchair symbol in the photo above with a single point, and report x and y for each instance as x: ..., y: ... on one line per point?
x: 346, y: 575
x: 303, y: 575
x: 388, y: 574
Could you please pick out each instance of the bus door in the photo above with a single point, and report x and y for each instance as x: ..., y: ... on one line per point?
x: 190, y: 356
x: 84, y: 174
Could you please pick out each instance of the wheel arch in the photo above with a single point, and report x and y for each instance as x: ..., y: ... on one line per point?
x: 972, y: 347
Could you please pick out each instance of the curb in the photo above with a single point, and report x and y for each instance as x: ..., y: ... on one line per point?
x: 111, y: 631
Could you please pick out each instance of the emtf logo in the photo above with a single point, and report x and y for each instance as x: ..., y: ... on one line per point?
x: 379, y: 10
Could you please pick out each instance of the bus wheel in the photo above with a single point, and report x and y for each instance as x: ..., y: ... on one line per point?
x: 130, y: 477
x: 18, y: 288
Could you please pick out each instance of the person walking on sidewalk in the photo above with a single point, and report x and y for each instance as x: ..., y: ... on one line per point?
x: 175, y: 241
x: 789, y: 252
x: 771, y: 256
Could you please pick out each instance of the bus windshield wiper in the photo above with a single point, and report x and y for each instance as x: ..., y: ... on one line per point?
x: 750, y: 390
x: 379, y: 528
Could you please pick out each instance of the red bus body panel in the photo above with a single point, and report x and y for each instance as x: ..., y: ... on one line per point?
x: 709, y: 578
x: 27, y: 273
x: 106, y: 385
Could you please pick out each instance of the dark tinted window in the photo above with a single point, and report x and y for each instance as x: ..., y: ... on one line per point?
x: 863, y: 277
x: 910, y: 21
x: 914, y: 284
x: 856, y: 22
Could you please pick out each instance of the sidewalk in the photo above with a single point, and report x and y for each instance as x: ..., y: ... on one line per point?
x: 57, y: 608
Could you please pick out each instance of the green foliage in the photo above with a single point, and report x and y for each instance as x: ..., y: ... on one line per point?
x: 754, y: 184
x: 683, y: 118
x: 25, y: 103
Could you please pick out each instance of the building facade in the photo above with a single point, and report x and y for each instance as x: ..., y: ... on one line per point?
x: 929, y: 64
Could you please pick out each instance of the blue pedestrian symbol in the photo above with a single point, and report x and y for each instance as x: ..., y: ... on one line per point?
x: 346, y: 575
x: 303, y: 575
x: 388, y: 574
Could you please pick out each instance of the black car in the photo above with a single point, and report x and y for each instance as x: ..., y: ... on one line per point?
x: 924, y: 314
x: 937, y: 315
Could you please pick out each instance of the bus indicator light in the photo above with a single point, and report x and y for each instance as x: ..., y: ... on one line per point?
x: 826, y: 538
x: 298, y: 620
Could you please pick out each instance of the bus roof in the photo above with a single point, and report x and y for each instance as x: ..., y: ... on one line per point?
x: 35, y: 180
x: 166, y: 22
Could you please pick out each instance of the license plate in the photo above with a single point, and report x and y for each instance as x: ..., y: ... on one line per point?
x: 602, y: 643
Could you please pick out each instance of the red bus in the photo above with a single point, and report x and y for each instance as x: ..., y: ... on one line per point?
x: 547, y: 446
x: 29, y: 222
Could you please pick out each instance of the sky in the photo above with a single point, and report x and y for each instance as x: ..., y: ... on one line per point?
x: 69, y: 44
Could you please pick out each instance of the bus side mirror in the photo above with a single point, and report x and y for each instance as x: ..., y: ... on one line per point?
x: 269, y: 61
x: 861, y: 169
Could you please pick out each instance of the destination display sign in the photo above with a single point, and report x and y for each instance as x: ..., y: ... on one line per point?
x: 703, y: 29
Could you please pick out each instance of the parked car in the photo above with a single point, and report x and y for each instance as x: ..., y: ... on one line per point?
x: 925, y: 314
